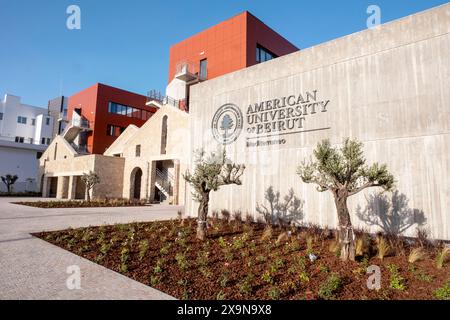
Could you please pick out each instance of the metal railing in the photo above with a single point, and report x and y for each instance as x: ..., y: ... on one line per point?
x: 165, y: 179
x: 154, y: 95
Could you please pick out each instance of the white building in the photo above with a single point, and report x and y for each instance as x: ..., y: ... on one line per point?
x: 25, y: 132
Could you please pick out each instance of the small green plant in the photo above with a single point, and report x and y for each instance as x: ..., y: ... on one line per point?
x: 245, y: 286
x: 124, y: 255
x: 330, y: 287
x: 165, y: 250
x: 155, y: 280
x: 267, y: 277
x: 222, y: 242
x: 224, y: 278
x: 261, y: 259
x: 274, y: 293
x: 276, y: 265
x: 105, y: 248
x: 143, y: 248
x: 238, y: 244
x: 221, y: 296
x: 396, y: 281
x: 203, y: 258
x: 443, y: 293
x: 229, y: 257
x: 303, y: 277
x: 181, y: 261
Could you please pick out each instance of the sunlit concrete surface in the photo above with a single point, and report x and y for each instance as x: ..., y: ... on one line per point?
x: 34, y: 269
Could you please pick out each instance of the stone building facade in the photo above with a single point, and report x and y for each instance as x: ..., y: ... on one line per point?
x: 143, y: 163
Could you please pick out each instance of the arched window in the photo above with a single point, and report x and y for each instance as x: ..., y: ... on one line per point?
x: 164, y: 135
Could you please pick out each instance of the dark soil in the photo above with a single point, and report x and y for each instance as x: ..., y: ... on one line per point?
x: 83, y: 204
x: 232, y: 263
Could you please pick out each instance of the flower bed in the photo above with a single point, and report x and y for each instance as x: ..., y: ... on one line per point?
x: 252, y: 261
x: 83, y: 204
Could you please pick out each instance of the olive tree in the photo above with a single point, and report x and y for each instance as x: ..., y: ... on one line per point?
x: 344, y: 172
x: 210, y: 173
x: 9, y: 180
x: 90, y: 180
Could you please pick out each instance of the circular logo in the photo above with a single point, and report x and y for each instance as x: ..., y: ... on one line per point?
x: 227, y: 123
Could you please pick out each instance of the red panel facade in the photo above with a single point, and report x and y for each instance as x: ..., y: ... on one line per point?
x: 94, y: 102
x: 228, y: 46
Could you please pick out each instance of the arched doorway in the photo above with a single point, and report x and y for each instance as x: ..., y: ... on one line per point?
x: 136, y: 181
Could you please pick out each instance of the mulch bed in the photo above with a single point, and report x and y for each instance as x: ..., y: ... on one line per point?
x: 82, y: 203
x: 235, y: 263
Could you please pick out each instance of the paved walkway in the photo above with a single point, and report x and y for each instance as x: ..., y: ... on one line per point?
x: 31, y: 268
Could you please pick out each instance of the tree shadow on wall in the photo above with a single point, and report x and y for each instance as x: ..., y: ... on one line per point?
x: 281, y: 211
x: 390, y: 212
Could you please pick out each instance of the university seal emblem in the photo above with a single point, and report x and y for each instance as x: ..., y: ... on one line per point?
x: 227, y: 123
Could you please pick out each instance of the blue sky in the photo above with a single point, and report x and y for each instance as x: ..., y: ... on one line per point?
x: 126, y: 43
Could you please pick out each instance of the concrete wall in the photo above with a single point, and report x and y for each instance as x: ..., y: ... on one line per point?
x: 388, y: 87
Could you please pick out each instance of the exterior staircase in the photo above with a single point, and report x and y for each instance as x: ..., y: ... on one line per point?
x: 74, y: 127
x: 164, y: 182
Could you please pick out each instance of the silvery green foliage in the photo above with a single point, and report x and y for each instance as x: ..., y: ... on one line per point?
x: 344, y: 168
x: 211, y: 172
x: 90, y: 179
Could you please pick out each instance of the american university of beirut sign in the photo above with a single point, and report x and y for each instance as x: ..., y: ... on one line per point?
x: 268, y: 122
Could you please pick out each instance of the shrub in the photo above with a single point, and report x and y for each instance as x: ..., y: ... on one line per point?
x: 249, y: 218
x: 181, y: 261
x: 330, y: 287
x: 309, y: 243
x: 334, y: 247
x: 441, y: 257
x: 274, y: 293
x: 443, y: 293
x: 416, y: 254
x: 422, y: 237
x: 245, y: 286
x: 396, y: 281
x: 225, y: 215
x: 221, y: 296
x: 282, y: 238
x: 362, y: 245
x: 267, y: 277
x: 143, y: 247
x: 222, y: 242
x: 383, y: 248
x: 303, y: 277
x: 237, y: 215
x: 224, y: 279
x: 267, y: 234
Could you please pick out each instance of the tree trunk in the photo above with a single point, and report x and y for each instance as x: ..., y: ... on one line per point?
x: 88, y: 195
x: 346, y: 235
x: 9, y: 187
x: 202, y: 215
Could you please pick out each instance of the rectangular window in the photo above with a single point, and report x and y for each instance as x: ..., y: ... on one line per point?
x: 38, y: 155
x: 138, y: 150
x: 262, y: 54
x: 42, y: 140
x: 20, y: 139
x: 33, y: 122
x: 22, y: 120
x: 114, y: 131
x: 120, y: 109
x: 48, y: 141
x: 47, y: 121
x: 1, y: 115
x: 30, y: 140
x: 203, y: 69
